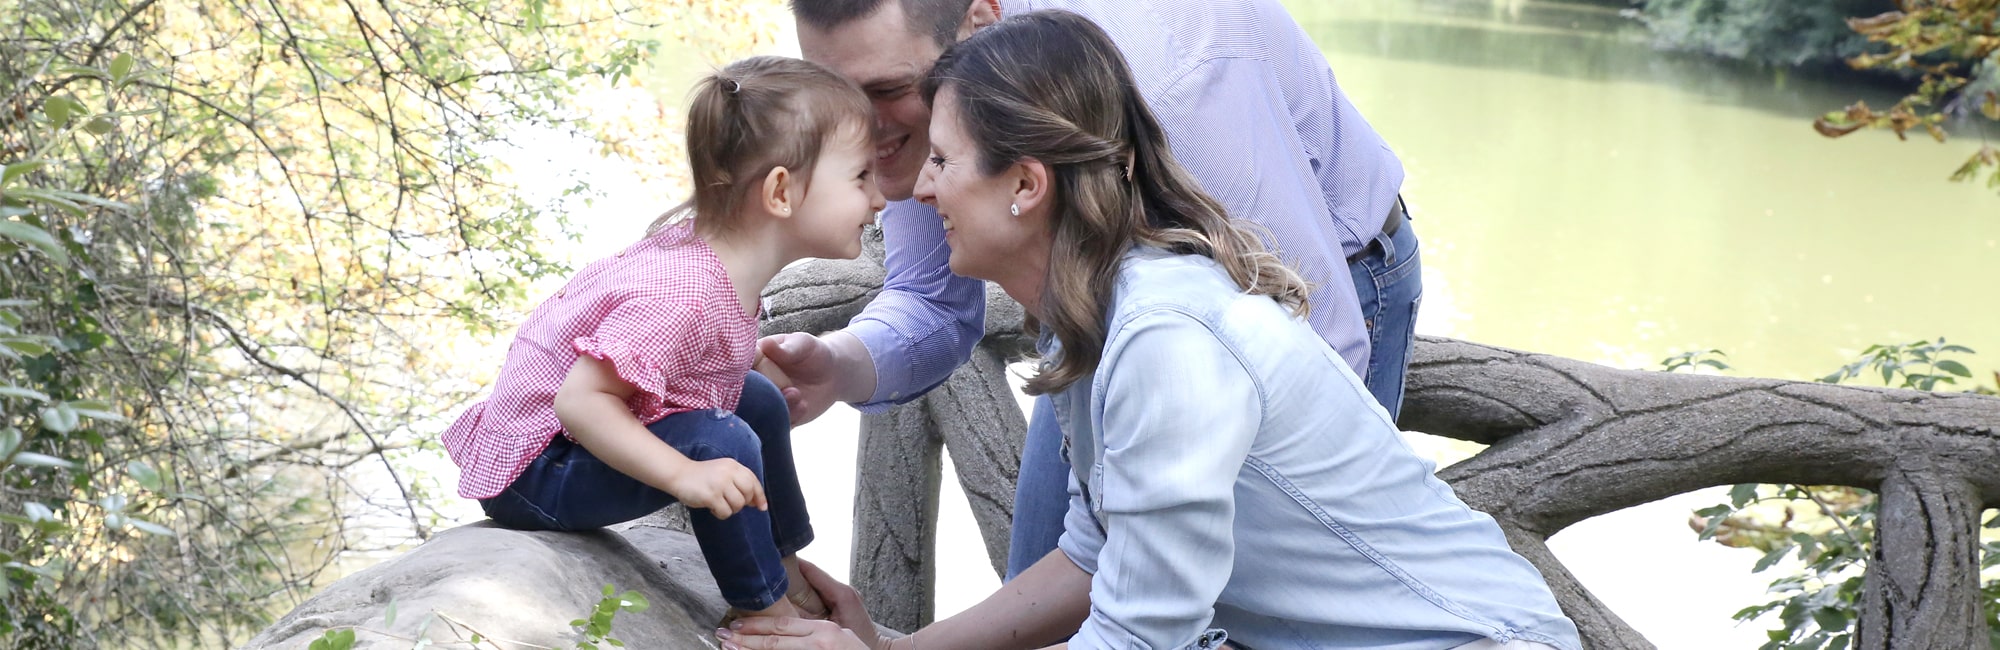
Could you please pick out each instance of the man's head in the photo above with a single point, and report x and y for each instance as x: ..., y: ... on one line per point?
x: 886, y: 47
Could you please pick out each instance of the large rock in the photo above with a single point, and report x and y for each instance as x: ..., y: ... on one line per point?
x: 519, y: 588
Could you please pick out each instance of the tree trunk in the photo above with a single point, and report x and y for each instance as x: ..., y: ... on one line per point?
x: 1571, y: 440
x: 895, y: 516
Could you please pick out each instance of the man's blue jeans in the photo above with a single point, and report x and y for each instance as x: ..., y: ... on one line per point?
x: 1389, y: 279
x: 566, y: 488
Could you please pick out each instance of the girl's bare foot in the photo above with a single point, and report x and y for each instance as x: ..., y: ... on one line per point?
x: 781, y: 609
x: 801, y: 594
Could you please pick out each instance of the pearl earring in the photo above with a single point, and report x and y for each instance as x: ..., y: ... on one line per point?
x: 1014, y: 209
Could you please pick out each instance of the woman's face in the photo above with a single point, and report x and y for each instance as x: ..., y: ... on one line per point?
x: 987, y: 240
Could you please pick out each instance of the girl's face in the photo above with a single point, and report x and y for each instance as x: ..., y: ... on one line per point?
x: 987, y: 240
x: 841, y: 200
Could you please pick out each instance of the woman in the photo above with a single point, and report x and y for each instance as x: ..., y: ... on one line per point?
x: 1232, y: 477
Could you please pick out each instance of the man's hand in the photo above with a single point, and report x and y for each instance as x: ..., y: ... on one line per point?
x: 809, y: 373
x: 723, y: 486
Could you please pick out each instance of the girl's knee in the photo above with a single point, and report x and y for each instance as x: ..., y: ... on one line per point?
x: 762, y: 405
x: 732, y: 439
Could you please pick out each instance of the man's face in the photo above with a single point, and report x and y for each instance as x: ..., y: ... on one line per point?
x: 881, y: 54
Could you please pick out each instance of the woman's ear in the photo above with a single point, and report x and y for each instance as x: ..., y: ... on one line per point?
x: 1031, y: 184
x: 775, y: 196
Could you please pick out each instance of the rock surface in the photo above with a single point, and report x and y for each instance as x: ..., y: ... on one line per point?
x: 521, y: 589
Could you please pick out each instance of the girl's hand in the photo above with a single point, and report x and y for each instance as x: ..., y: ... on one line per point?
x: 723, y: 486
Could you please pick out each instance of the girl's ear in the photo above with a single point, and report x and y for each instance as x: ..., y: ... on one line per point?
x: 775, y: 196
x: 980, y: 14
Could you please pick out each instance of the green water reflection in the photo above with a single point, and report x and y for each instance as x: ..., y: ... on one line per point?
x: 1580, y: 193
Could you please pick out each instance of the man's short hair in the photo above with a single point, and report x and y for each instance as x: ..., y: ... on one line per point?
x: 938, y: 19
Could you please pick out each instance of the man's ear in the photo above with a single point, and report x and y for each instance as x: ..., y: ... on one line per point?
x: 775, y: 195
x: 979, y: 14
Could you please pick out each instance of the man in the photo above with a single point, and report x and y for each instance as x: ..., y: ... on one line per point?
x: 1250, y: 107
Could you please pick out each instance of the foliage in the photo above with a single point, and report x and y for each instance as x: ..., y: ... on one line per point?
x: 1954, y: 45
x: 597, y: 629
x: 1830, y: 529
x: 243, y: 243
x: 1919, y: 366
x: 1694, y: 360
x: 1765, y: 32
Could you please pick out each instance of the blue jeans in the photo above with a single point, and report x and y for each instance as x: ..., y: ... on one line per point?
x: 1389, y: 279
x: 1387, y: 276
x: 567, y: 488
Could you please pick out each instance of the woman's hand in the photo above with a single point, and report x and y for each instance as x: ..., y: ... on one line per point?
x: 768, y: 633
x: 843, y: 605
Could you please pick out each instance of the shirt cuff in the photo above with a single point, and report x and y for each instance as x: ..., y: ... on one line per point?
x: 889, y: 352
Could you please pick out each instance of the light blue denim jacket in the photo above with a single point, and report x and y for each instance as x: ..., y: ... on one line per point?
x: 1230, y: 472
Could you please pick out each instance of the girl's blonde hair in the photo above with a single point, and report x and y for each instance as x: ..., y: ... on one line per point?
x: 756, y: 115
x: 1051, y: 86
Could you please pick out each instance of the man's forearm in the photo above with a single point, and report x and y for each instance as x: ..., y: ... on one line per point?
x: 1042, y: 606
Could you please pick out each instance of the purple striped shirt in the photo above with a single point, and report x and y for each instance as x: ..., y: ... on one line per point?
x: 1250, y: 107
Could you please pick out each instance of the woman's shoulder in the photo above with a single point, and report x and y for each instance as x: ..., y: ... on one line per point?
x: 1152, y: 278
x: 1154, y: 283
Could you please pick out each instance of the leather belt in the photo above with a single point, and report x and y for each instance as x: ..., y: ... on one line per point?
x: 1390, y: 226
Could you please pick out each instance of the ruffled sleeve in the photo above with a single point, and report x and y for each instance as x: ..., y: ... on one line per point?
x: 649, y: 343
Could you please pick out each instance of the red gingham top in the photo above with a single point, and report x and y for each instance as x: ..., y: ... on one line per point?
x: 662, y: 312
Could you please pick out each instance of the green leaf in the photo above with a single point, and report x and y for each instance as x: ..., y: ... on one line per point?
x: 28, y: 347
x: 61, y: 418
x: 19, y: 169
x: 121, y: 66
x: 10, y: 390
x: 1830, y: 619
x: 578, y: 623
x: 1954, y: 367
x: 1771, y: 558
x: 151, y: 528
x: 38, y: 512
x: 609, y: 590
x: 96, y: 410
x: 149, y: 478
x: 389, y: 617
x: 10, y: 438
x: 423, y: 630
x: 614, y: 642
x: 634, y: 602
x: 36, y: 237
x: 41, y: 460
x: 75, y: 200
x: 99, y: 126
x: 1956, y: 348
x: 1742, y: 494
x: 57, y: 110
x: 319, y: 644
x: 79, y: 70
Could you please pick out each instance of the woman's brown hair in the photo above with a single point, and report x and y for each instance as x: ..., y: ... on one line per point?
x: 1051, y: 86
x: 756, y: 115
